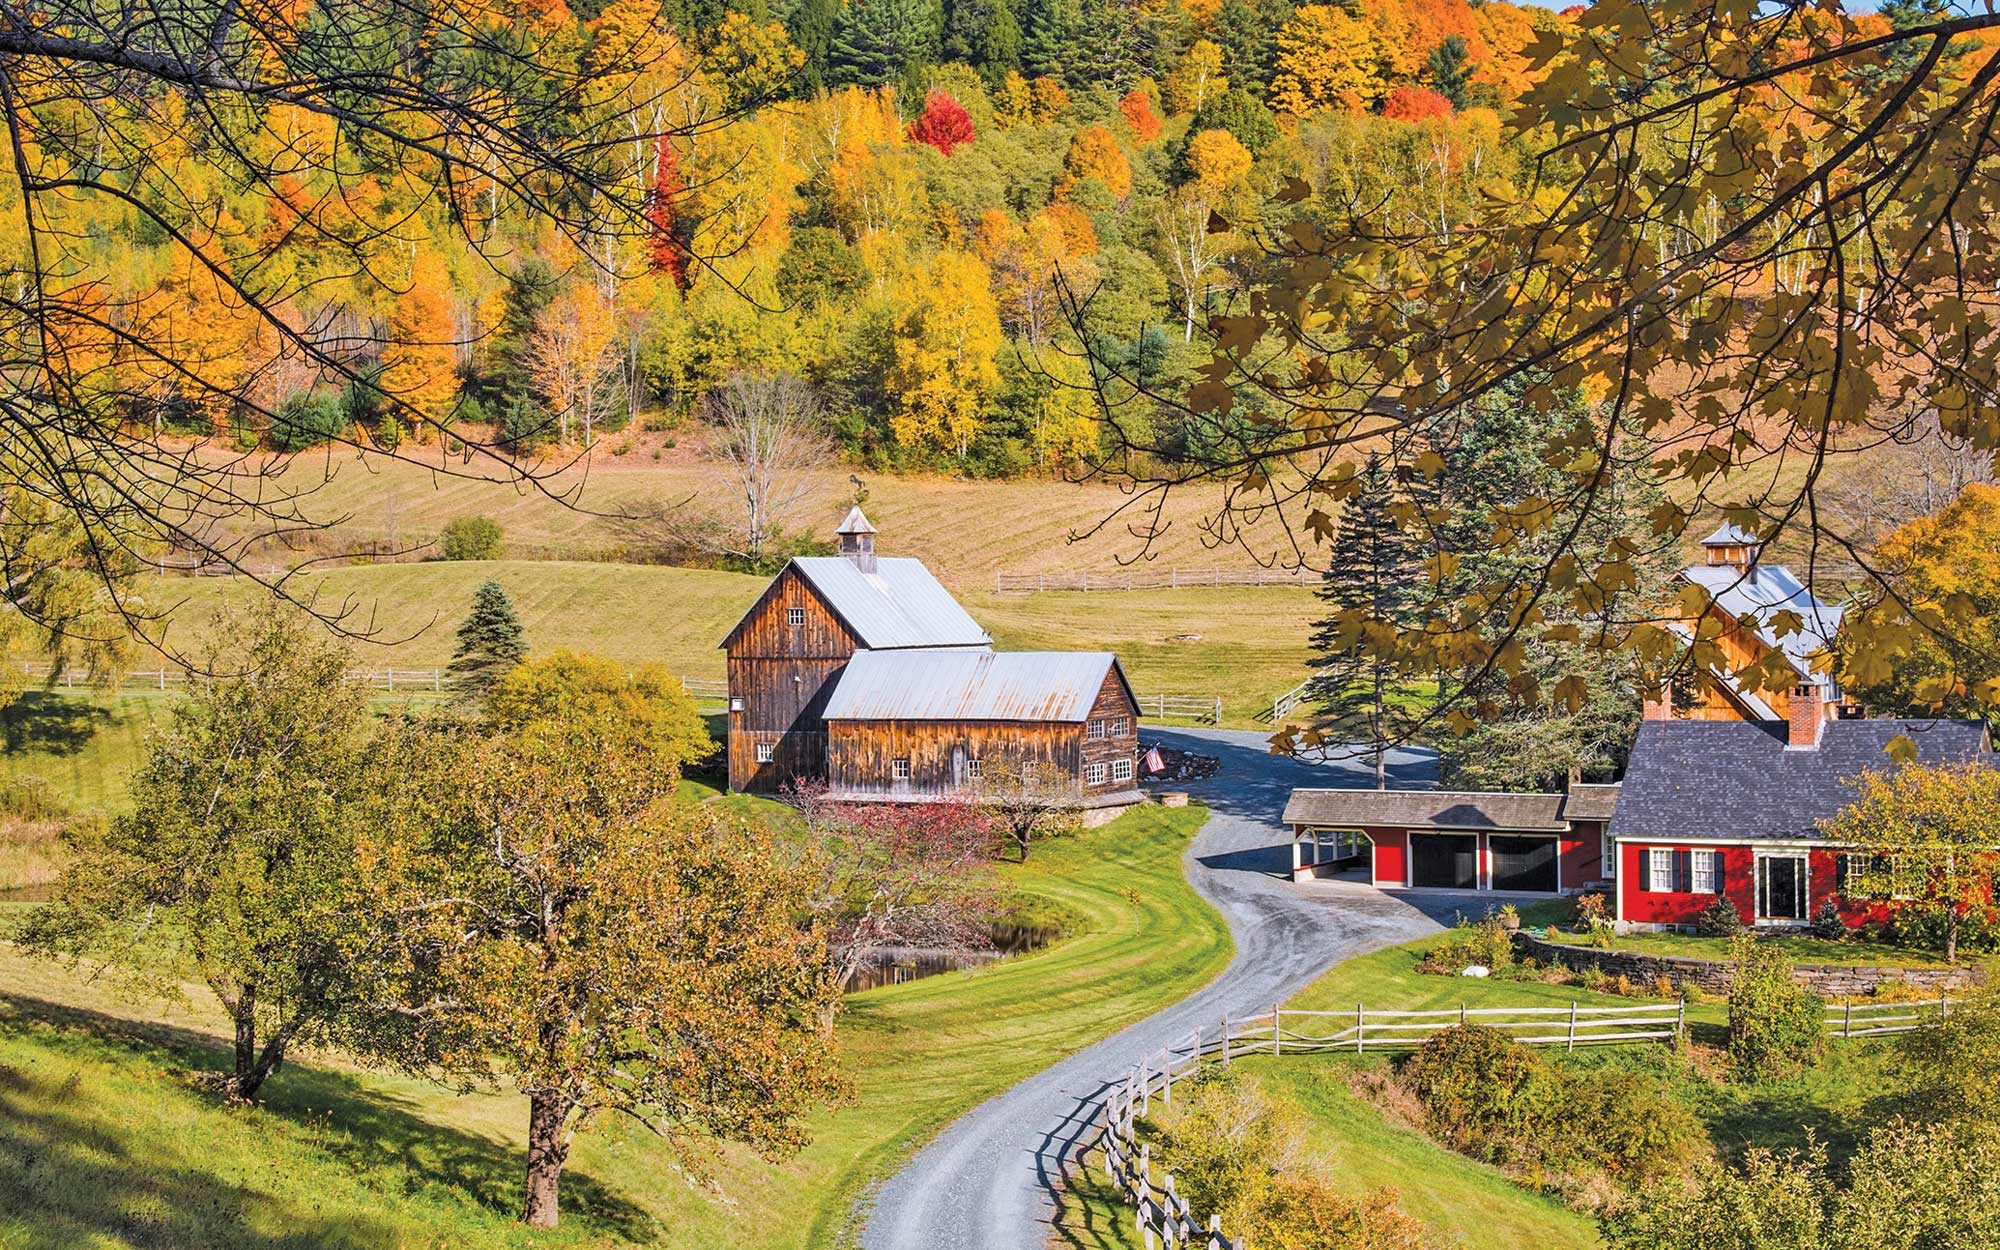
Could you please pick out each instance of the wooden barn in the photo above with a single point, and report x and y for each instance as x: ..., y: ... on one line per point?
x: 862, y: 671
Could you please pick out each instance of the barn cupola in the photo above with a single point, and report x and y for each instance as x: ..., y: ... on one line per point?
x: 1732, y: 546
x: 857, y: 540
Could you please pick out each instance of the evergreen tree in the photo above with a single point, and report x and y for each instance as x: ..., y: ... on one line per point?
x: 490, y: 644
x: 530, y: 290
x: 1048, y: 27
x: 964, y: 29
x: 1247, y: 33
x: 883, y: 41
x: 1000, y: 42
x: 1448, y: 70
x: 1373, y: 580
x: 811, y: 24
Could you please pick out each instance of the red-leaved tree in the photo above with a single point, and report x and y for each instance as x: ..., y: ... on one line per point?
x: 1139, y: 115
x: 667, y: 247
x: 1415, y: 104
x: 944, y: 125
x: 896, y: 874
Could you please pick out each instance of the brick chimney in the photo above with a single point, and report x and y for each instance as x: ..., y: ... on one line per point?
x: 1808, y: 716
x: 1658, y: 705
x: 857, y: 540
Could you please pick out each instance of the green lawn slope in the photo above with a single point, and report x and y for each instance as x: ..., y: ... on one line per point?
x: 103, y: 1143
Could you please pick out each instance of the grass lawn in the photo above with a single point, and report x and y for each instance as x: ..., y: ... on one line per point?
x: 103, y: 1144
x: 83, y: 745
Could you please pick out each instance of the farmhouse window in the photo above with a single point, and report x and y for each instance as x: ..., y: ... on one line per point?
x: 1705, y: 872
x: 764, y: 752
x: 795, y: 616
x: 1118, y: 724
x: 972, y: 768
x: 1096, y: 731
x: 1121, y: 770
x: 899, y: 768
x: 1864, y: 875
x: 1659, y: 870
x: 1093, y: 774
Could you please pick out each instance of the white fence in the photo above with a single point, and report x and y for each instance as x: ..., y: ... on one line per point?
x: 1852, y: 1019
x: 1182, y: 707
x: 1282, y: 706
x: 1161, y: 1215
x: 1149, y: 579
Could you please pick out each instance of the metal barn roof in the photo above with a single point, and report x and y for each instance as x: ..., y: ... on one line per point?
x: 1730, y: 534
x: 1766, y: 590
x: 898, y: 605
x: 971, y: 685
x: 1427, y: 809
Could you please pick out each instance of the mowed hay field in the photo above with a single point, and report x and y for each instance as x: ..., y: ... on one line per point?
x: 965, y: 530
x: 1244, y: 644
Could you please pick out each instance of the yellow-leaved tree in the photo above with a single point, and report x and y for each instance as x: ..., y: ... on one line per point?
x: 1218, y: 160
x: 420, y: 360
x: 944, y: 373
x: 1094, y: 153
x: 1194, y: 78
x: 1066, y: 422
x: 1327, y: 58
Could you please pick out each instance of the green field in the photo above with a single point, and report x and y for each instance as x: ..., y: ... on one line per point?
x: 1244, y: 645
x: 102, y: 1143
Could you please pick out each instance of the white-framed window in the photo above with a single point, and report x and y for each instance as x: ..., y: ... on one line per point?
x: 795, y: 616
x: 1119, y: 724
x: 1121, y: 770
x: 1660, y: 869
x: 1702, y: 873
x: 765, y: 751
x: 1607, y: 853
x: 1093, y: 774
x: 1095, y: 731
x: 899, y: 768
x: 973, y: 768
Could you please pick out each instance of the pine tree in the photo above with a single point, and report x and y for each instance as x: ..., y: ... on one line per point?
x: 1372, y: 585
x: 883, y: 41
x: 1448, y: 69
x: 489, y: 644
x: 1048, y: 26
x: 811, y: 24
x: 1000, y: 42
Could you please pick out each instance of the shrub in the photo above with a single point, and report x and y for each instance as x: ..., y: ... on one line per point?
x: 307, y: 420
x: 1476, y: 1086
x: 1827, y: 922
x: 1776, y: 1025
x: 1590, y: 908
x: 470, y: 538
x: 1484, y: 942
x: 31, y: 798
x: 1225, y: 1136
x: 1953, y: 1063
x: 1627, y: 1123
x: 1305, y: 1213
x: 1720, y: 918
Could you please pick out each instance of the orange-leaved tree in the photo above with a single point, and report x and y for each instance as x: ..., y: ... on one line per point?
x: 420, y: 360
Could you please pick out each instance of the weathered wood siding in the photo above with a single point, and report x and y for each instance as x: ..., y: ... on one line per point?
x: 1114, y: 704
x: 784, y: 675
x: 862, y: 755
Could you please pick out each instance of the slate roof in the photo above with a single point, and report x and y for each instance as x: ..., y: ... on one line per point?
x: 1590, y: 802
x: 1765, y: 590
x: 959, y: 684
x: 1427, y: 809
x: 1738, y: 779
x: 898, y: 605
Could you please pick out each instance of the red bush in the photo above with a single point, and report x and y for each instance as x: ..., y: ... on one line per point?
x: 944, y: 124
x: 1415, y: 104
x: 1139, y: 115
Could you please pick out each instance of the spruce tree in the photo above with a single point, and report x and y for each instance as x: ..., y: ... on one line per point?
x: 811, y: 24
x: 1000, y: 42
x: 490, y: 644
x: 1372, y: 581
x: 1448, y: 69
x: 1047, y: 28
x: 883, y: 41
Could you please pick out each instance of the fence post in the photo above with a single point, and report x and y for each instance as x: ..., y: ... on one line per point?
x: 1225, y: 1039
x: 1360, y: 1028
x: 437, y: 680
x: 163, y: 677
x: 1167, y: 1075
x: 1847, y: 1021
x: 1572, y: 1024
x: 1277, y: 1040
x: 1461, y: 1015
x: 1195, y: 1041
x: 1944, y: 1001
x: 1681, y: 1021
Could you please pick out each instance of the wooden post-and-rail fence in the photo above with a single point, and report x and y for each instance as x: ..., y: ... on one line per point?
x: 1149, y: 579
x: 395, y: 680
x: 1162, y: 1216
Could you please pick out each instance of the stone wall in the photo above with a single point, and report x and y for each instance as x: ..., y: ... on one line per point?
x: 1712, y: 976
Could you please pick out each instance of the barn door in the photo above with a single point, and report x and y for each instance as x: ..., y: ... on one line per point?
x: 958, y: 777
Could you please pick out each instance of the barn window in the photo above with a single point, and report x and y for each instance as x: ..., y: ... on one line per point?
x: 1093, y: 774
x: 899, y: 768
x: 1118, y: 724
x: 1121, y: 770
x: 764, y: 752
x: 972, y: 768
x: 795, y: 616
x: 1096, y: 731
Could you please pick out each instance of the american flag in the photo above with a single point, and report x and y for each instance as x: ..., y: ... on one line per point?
x: 1154, y: 764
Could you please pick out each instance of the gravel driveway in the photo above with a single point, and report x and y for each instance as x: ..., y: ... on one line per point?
x: 989, y: 1181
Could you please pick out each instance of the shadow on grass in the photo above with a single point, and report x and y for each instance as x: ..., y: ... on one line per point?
x: 61, y: 1174
x: 42, y: 721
